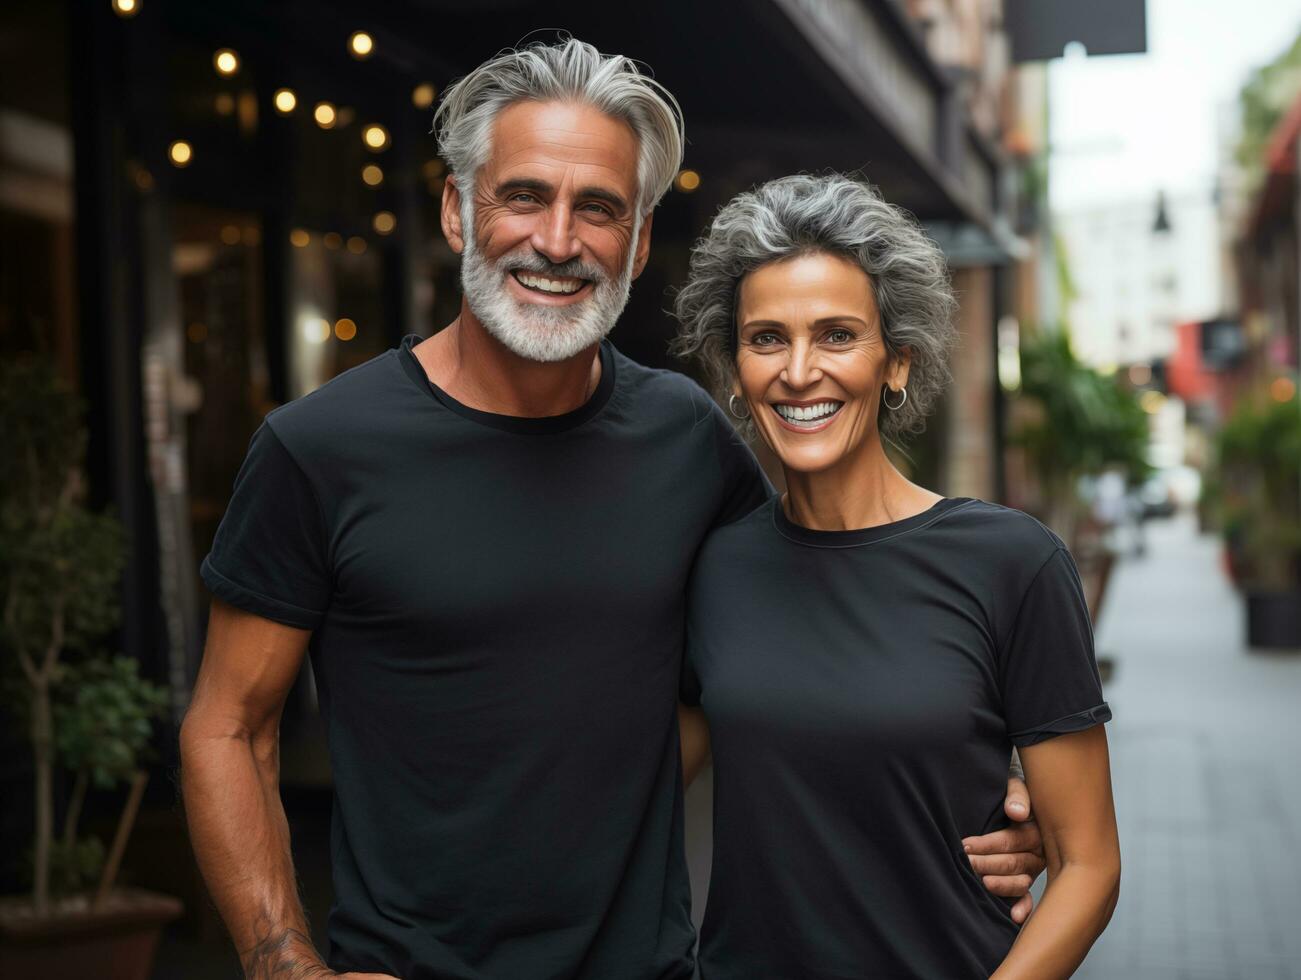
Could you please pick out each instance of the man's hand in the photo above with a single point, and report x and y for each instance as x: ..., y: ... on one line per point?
x: 1010, y: 860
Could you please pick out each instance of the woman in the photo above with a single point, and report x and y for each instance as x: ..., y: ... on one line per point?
x: 866, y: 651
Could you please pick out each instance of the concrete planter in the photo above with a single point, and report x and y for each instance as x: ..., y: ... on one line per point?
x: 1274, y: 619
x: 74, y: 942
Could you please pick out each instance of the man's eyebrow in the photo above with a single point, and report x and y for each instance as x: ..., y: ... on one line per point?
x: 523, y: 184
x: 616, y: 201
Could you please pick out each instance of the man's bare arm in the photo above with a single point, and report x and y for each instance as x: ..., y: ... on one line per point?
x: 230, y: 781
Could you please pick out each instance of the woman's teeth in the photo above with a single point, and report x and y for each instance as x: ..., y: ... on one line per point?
x: 562, y: 286
x: 808, y: 415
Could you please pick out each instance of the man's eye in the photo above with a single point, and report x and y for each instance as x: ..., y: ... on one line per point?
x: 599, y: 209
x: 524, y: 197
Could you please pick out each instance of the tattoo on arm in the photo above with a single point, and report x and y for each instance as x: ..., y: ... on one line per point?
x: 282, y: 953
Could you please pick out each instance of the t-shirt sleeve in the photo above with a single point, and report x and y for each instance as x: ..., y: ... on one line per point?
x: 1049, y: 675
x: 269, y: 555
x: 689, y: 683
x: 745, y: 485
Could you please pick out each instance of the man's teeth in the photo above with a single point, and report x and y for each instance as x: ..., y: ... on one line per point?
x: 808, y: 414
x: 549, y: 285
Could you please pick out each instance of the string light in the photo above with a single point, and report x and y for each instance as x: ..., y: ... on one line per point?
x: 126, y: 8
x: 299, y: 238
x: 375, y: 136
x: 372, y: 175
x: 361, y: 44
x: 345, y: 329
x: 384, y: 222
x: 324, y: 115
x: 285, y: 101
x: 423, y: 95
x: 180, y: 153
x: 687, y: 180
x: 226, y: 62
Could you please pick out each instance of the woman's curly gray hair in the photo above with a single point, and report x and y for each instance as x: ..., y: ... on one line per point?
x: 838, y: 215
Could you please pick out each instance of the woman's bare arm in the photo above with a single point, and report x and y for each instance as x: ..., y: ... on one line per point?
x: 230, y: 782
x: 1071, y: 778
x: 693, y: 733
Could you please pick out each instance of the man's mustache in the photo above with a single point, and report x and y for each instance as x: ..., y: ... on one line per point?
x: 542, y: 266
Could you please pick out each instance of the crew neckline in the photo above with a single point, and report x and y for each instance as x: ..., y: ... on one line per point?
x: 513, y: 423
x: 857, y: 537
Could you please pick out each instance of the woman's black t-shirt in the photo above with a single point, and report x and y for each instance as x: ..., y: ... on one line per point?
x: 864, y: 689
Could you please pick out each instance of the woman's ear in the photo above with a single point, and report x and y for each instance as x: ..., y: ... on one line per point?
x: 896, y: 373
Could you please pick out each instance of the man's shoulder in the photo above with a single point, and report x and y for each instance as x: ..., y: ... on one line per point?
x: 340, y: 407
x: 663, y: 389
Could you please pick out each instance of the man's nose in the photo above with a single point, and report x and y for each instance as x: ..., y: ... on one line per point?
x: 554, y: 236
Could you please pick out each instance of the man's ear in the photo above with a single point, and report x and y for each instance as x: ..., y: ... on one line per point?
x: 642, y: 245
x: 450, y: 214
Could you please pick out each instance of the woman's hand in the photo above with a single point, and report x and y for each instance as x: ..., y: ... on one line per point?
x: 1010, y: 860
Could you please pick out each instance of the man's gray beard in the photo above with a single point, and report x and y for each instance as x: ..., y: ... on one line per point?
x: 537, y: 331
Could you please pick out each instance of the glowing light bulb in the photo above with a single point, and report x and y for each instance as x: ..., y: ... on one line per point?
x: 180, y: 153
x: 361, y: 44
x: 375, y: 136
x: 225, y: 61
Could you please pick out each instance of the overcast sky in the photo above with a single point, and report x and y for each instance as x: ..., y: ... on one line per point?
x: 1124, y: 126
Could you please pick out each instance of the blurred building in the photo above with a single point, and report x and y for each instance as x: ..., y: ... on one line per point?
x: 1269, y: 264
x: 1138, y: 268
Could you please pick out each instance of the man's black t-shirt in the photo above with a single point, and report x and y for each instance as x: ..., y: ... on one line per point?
x: 497, y: 607
x: 864, y: 690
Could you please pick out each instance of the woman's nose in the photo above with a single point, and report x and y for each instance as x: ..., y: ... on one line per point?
x: 801, y: 366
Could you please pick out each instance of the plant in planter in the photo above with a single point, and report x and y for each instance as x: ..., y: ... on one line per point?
x: 1074, y: 422
x: 1259, y: 500
x: 82, y: 710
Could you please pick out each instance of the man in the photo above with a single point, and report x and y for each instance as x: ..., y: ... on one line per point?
x: 483, y: 540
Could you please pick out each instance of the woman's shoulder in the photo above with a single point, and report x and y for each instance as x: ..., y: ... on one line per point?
x: 995, y: 529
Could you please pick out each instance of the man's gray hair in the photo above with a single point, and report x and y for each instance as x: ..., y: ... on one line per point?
x: 837, y: 215
x: 567, y: 71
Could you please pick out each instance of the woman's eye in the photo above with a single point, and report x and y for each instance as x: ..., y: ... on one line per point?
x: 840, y: 336
x: 764, y: 339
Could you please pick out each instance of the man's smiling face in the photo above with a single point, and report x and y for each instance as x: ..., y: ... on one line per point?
x: 551, y: 238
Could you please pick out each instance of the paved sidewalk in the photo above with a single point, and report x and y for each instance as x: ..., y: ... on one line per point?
x: 1205, y: 747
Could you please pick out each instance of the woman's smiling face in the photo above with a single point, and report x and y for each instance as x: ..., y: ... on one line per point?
x: 811, y: 359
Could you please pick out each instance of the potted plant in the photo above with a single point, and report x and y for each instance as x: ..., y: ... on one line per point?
x: 1259, y: 498
x: 84, y: 711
